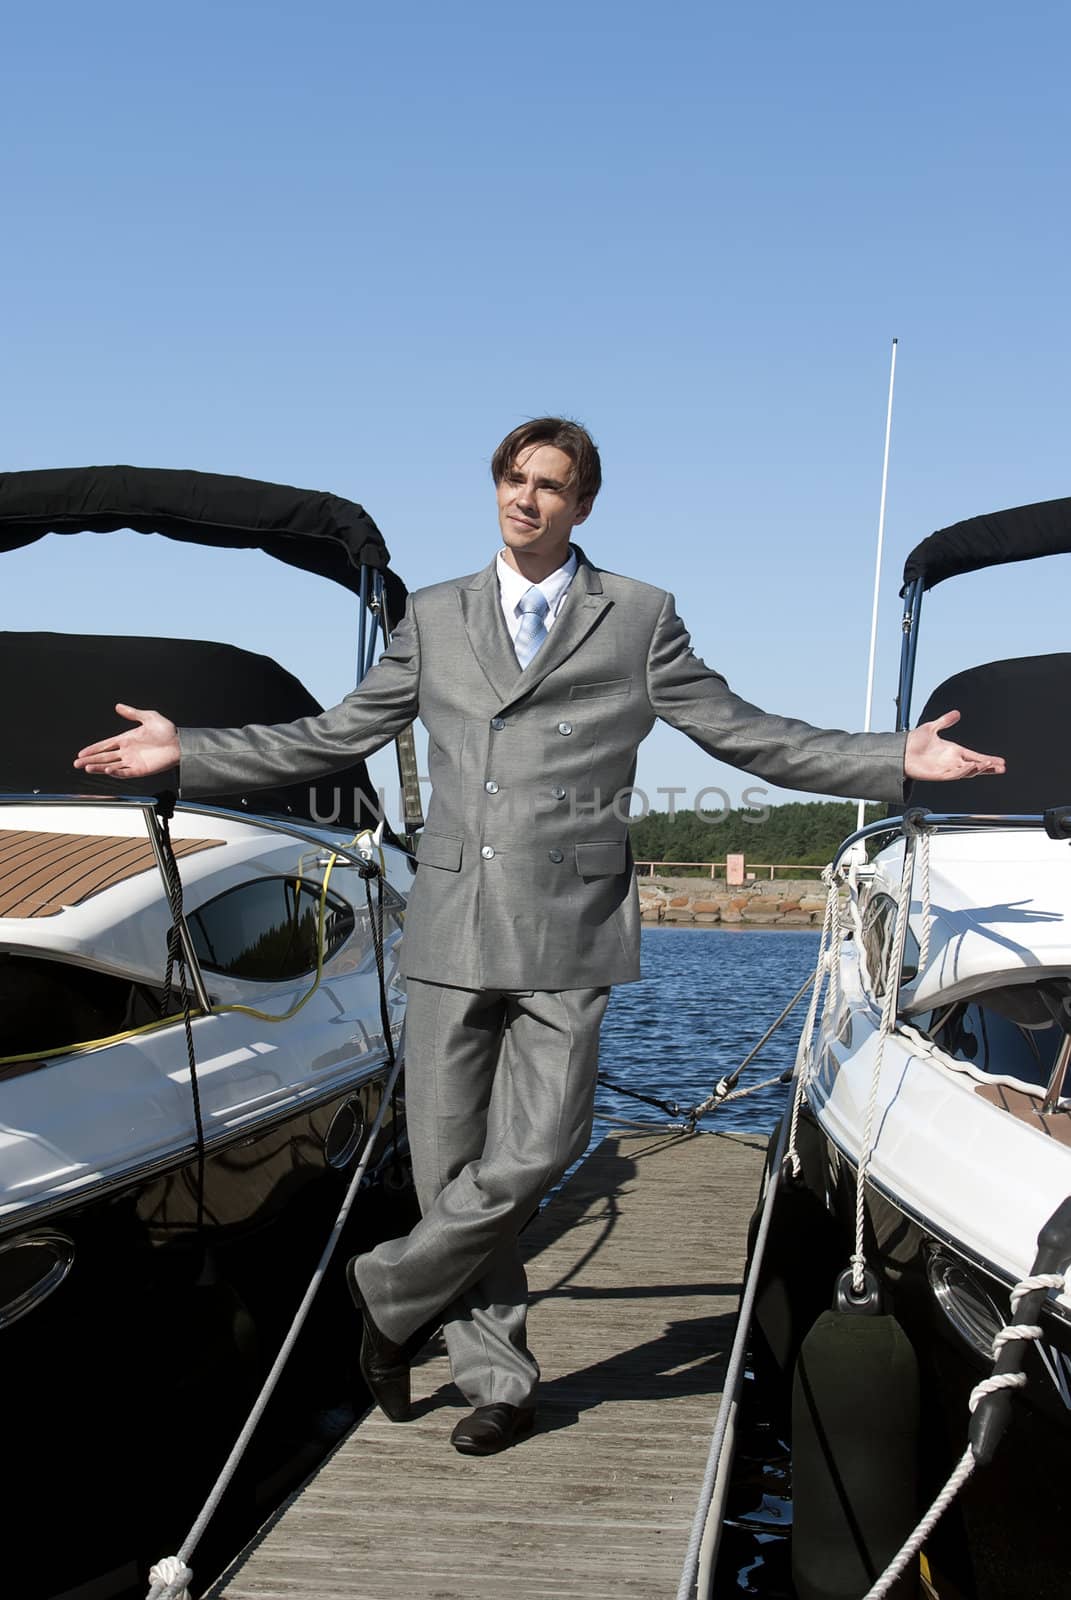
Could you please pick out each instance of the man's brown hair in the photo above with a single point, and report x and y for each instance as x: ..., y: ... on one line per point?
x: 575, y: 441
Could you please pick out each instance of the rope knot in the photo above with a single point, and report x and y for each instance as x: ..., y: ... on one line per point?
x: 857, y: 1261
x: 999, y: 1380
x: 1027, y: 1331
x: 174, y: 1576
x: 1037, y: 1280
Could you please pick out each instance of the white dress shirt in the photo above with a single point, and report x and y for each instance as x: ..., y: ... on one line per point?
x: 512, y: 586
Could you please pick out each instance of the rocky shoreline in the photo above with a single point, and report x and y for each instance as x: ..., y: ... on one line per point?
x: 695, y: 902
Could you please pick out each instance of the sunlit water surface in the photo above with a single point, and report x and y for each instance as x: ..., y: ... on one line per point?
x: 707, y: 995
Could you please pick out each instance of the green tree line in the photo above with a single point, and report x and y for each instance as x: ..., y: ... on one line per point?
x: 805, y: 832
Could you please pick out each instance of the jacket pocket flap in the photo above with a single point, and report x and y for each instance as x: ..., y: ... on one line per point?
x: 601, y: 860
x: 592, y: 691
x: 439, y: 850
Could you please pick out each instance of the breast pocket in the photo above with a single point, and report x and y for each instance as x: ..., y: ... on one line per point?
x: 596, y: 691
x: 439, y: 850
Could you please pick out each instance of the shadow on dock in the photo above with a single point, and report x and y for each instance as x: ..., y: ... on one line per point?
x: 635, y: 1273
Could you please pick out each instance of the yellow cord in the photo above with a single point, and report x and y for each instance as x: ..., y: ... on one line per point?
x: 97, y: 1044
x: 267, y: 1016
x: 214, y: 1011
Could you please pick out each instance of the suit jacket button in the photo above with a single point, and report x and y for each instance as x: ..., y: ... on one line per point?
x: 487, y: 852
x: 565, y: 727
x: 491, y: 786
x: 558, y: 793
x: 555, y: 855
x: 498, y: 724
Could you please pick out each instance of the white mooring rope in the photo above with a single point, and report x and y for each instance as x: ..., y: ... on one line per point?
x: 967, y: 1462
x: 1040, y: 1280
x: 724, y: 1091
x: 724, y: 1097
x: 962, y: 1471
x: 888, y: 1022
x: 836, y: 939
x: 169, y: 1578
x: 174, y: 1576
x: 828, y: 954
x: 924, y: 895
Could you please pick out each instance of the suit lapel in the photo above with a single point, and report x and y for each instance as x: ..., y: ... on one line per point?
x: 583, y: 606
x: 481, y: 607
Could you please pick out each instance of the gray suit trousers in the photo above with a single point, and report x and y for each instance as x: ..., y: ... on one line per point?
x: 500, y: 1090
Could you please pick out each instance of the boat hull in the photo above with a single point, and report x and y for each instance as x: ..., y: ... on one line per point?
x: 1004, y: 1537
x: 130, y: 1380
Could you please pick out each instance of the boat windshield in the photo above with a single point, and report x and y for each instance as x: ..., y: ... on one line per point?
x: 1008, y: 707
x: 74, y: 680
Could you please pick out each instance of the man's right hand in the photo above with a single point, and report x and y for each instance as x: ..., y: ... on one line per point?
x: 151, y: 747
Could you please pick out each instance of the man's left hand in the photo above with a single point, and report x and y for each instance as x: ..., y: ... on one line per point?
x: 929, y: 756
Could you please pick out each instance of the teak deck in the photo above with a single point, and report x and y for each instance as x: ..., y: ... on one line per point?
x: 41, y: 873
x: 635, y: 1271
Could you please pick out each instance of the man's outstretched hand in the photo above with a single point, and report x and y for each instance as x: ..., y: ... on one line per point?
x: 929, y: 756
x: 151, y: 747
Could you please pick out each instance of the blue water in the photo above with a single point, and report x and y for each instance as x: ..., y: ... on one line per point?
x: 706, y: 998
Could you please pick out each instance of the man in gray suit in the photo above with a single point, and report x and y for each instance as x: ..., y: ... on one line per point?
x: 536, y: 678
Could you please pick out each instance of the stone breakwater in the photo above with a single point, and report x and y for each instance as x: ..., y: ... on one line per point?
x: 788, y: 903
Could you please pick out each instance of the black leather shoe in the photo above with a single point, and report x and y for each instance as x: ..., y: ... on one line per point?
x: 489, y: 1429
x: 384, y: 1364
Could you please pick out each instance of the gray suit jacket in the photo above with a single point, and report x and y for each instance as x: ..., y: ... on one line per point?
x: 525, y: 877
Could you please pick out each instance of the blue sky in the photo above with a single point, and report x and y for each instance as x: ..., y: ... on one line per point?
x: 317, y: 246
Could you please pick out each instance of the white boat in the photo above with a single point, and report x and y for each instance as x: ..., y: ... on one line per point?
x: 183, y: 1098
x: 956, y: 1107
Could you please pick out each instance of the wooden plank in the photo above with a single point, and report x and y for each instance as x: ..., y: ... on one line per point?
x: 42, y: 873
x: 635, y: 1272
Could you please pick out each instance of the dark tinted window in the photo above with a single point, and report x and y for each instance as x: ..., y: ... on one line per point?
x: 48, y: 1006
x: 268, y: 930
x: 879, y: 926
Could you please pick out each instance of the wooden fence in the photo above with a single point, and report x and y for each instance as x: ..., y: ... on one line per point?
x: 719, y: 868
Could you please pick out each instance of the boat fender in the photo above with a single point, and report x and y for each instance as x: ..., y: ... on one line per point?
x: 1053, y: 1257
x: 804, y: 1252
x: 855, y: 1427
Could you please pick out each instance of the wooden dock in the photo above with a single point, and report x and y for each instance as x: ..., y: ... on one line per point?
x: 635, y: 1270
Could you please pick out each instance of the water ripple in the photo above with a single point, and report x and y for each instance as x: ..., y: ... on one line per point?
x: 706, y: 998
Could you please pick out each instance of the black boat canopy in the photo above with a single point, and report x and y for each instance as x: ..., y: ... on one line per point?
x: 1019, y: 534
x: 321, y: 533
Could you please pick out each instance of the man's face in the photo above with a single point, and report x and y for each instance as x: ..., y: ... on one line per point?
x: 537, y: 510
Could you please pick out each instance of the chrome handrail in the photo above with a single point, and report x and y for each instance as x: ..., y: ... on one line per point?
x: 40, y: 797
x: 149, y: 807
x: 939, y: 822
x: 320, y: 841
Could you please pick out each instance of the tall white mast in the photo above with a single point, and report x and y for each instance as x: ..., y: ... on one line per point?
x: 861, y: 815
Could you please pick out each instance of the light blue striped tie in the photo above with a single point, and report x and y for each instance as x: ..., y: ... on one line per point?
x: 532, y: 633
